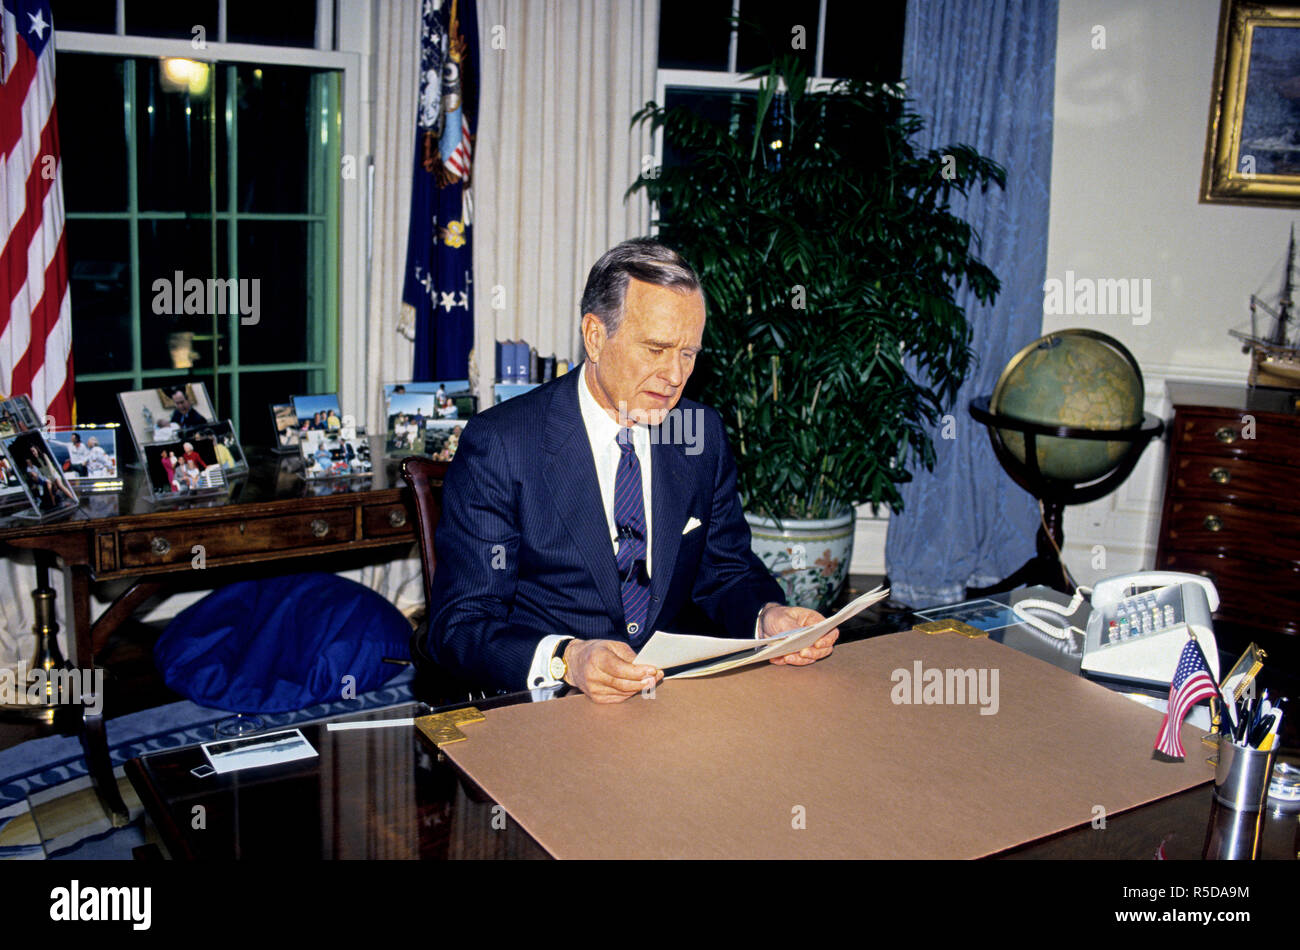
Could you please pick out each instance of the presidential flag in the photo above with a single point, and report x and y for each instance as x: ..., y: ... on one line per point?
x: 1192, y: 682
x: 438, y: 246
x: 35, y: 312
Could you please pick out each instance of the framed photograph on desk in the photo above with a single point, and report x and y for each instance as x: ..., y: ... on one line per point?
x: 329, y: 455
x: 287, y: 433
x: 42, y: 479
x: 229, y: 453
x: 11, y: 489
x: 181, y: 469
x: 158, y: 415
x: 318, y: 413
x: 17, y: 415
x: 88, y: 456
x: 442, y: 438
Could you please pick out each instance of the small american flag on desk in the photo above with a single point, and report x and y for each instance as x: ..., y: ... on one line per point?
x: 1191, y: 683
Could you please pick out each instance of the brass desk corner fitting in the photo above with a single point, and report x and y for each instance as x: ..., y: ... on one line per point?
x: 444, y: 728
x: 951, y: 626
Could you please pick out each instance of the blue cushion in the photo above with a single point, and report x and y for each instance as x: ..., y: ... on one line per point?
x: 282, y: 643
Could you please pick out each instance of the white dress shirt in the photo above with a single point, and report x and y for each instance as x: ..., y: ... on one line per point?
x: 602, y: 433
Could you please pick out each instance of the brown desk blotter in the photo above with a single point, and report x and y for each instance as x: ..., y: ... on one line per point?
x: 819, y: 762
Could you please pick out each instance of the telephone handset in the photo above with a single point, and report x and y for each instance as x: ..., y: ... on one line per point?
x: 1139, y: 624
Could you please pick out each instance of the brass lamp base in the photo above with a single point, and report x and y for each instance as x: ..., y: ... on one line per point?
x: 47, y: 658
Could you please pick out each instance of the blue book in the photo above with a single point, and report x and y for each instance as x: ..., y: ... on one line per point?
x: 508, y: 361
x: 498, y: 375
x: 522, y: 359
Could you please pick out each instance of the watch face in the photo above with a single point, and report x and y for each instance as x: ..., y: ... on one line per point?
x: 557, y: 668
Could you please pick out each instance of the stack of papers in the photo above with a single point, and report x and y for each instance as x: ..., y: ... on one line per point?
x: 669, y: 651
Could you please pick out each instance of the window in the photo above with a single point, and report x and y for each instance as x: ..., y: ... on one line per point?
x: 203, y: 211
x: 705, y: 47
x: 836, y: 39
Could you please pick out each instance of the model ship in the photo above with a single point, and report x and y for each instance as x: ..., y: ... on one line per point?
x: 1273, y: 341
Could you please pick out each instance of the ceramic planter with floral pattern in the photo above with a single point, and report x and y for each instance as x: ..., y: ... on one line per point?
x: 809, y: 559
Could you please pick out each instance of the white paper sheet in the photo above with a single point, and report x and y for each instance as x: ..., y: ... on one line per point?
x: 670, y: 650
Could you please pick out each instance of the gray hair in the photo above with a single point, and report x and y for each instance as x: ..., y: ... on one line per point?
x: 642, y: 258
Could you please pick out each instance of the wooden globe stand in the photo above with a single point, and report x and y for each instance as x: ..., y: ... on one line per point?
x: 1053, y: 493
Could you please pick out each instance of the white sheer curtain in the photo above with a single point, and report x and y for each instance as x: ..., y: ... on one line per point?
x: 389, y: 354
x: 560, y: 81
x: 17, y: 581
x: 395, y: 82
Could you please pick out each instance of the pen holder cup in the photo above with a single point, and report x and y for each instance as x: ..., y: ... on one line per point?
x: 1241, y: 777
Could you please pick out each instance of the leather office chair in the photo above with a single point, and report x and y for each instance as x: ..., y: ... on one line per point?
x: 433, y: 684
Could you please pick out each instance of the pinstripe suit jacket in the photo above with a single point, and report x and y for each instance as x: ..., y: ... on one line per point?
x: 523, y: 546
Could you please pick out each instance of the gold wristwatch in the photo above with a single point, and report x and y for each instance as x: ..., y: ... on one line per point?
x: 557, y: 668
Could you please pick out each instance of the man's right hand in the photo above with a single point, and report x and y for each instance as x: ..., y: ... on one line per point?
x: 605, y: 671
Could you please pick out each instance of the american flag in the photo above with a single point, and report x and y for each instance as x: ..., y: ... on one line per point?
x: 35, y: 311
x: 1192, y: 682
x: 438, y: 289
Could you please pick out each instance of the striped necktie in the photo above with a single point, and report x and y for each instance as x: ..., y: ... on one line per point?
x: 629, y: 519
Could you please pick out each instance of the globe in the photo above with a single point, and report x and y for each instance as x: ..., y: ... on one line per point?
x: 1078, y: 378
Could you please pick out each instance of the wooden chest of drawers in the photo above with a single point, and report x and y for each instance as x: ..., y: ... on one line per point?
x: 1232, y: 507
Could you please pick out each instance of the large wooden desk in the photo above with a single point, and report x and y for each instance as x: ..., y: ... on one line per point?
x: 270, y: 516
x: 387, y: 793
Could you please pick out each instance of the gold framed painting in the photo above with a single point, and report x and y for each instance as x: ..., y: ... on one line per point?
x: 1252, y: 153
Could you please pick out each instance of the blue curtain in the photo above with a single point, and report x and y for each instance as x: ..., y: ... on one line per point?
x: 981, y: 73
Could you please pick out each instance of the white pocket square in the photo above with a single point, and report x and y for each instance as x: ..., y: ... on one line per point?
x: 691, y: 525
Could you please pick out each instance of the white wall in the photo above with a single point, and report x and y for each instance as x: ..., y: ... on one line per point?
x: 1128, y: 144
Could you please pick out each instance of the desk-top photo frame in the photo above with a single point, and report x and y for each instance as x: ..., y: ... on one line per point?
x: 11, y: 489
x: 88, y: 456
x: 331, y: 455
x: 285, y: 422
x: 318, y: 412
x: 18, y: 415
x: 42, y: 479
x: 181, y: 469
x: 1252, y: 155
x: 159, y: 414
x: 229, y: 453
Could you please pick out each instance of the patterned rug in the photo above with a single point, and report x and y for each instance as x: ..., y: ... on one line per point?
x: 48, y: 808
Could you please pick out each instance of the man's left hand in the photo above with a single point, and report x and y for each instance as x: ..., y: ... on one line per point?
x: 777, y: 620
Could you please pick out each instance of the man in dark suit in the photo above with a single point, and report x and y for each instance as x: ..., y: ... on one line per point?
x: 582, y: 516
x: 185, y: 415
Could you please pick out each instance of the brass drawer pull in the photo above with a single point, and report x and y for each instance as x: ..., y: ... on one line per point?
x: 1220, y: 475
x: 1227, y: 435
x: 160, y: 545
x: 1213, y: 523
x: 397, y: 517
x: 319, y: 528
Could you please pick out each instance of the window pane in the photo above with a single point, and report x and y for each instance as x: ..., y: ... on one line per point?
x: 174, y: 115
x: 84, y: 16
x: 98, y: 255
x: 97, y: 402
x: 257, y: 391
x: 282, y: 23
x: 173, y: 256
x: 694, y: 34
x: 92, y: 132
x: 275, y: 119
x: 275, y: 254
x: 771, y: 32
x: 719, y: 106
x: 169, y: 18
x: 864, y: 41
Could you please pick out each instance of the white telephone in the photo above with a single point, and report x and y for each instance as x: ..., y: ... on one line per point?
x: 1139, y: 624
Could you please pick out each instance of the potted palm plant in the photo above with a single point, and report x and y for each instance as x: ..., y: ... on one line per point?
x: 829, y: 260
